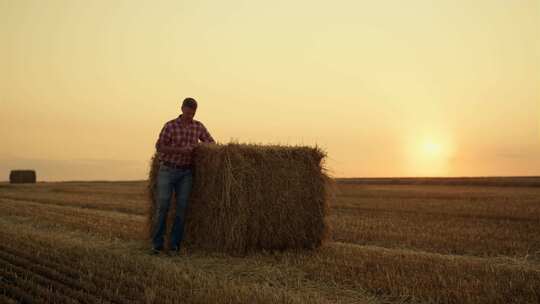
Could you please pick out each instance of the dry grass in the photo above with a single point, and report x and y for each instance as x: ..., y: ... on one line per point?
x: 252, y: 197
x: 397, y: 244
x: 502, y: 181
x: 82, y: 268
x: 483, y: 221
x: 125, y: 197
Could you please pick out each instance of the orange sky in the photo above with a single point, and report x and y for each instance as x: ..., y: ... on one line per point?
x: 388, y: 88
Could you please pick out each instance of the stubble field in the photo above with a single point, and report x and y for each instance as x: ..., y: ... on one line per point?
x: 392, y: 242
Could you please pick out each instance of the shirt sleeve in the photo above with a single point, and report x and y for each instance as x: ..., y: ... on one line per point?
x: 205, y: 136
x: 165, y: 136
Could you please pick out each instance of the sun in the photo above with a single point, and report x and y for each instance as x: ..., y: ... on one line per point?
x: 429, y: 152
x: 432, y: 149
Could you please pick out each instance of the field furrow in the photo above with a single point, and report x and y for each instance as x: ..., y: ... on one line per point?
x: 86, y: 287
x: 13, y: 293
x: 107, y: 223
x: 171, y: 279
x: 26, y: 287
x: 61, y: 288
x: 426, y: 276
x: 58, y: 200
x: 439, y: 234
x: 84, y: 292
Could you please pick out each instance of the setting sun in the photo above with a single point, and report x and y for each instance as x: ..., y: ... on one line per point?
x: 429, y: 152
x: 432, y: 149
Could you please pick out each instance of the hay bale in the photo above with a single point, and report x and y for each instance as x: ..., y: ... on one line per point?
x: 22, y: 176
x: 251, y: 197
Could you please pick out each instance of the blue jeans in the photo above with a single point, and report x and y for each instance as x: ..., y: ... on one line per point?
x: 169, y: 180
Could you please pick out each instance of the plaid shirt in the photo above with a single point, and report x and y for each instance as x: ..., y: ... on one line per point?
x: 177, y: 134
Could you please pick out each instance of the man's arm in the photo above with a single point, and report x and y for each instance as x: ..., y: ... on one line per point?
x: 205, y: 136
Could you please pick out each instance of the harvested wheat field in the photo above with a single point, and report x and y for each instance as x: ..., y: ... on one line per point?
x: 390, y: 242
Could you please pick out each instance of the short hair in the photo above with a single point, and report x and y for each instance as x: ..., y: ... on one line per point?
x: 190, y: 103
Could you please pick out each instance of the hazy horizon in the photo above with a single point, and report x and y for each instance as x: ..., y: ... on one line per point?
x: 125, y: 170
x: 388, y: 88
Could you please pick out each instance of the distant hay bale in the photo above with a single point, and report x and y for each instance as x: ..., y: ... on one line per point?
x: 22, y: 176
x: 251, y: 197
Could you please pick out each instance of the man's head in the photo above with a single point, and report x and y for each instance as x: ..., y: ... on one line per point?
x: 189, y: 107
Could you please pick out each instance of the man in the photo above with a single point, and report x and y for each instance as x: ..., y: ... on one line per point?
x: 175, y: 144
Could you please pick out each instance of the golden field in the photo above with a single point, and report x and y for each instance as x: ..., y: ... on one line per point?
x: 418, y: 241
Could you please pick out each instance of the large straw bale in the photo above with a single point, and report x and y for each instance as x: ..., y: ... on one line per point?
x: 22, y: 176
x: 249, y: 197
